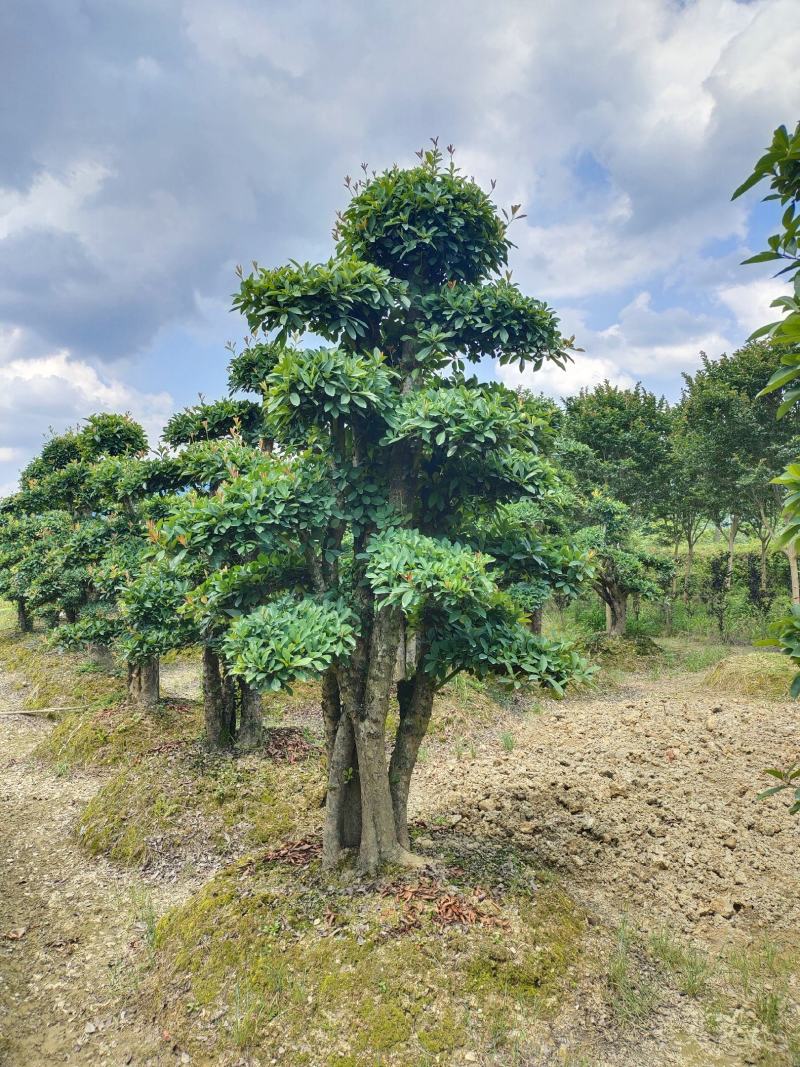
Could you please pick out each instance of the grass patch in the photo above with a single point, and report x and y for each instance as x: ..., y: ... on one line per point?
x: 118, y: 734
x: 56, y: 679
x: 633, y: 994
x: 767, y: 675
x: 691, y: 968
x: 347, y: 972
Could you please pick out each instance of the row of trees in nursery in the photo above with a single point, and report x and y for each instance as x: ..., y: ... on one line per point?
x: 702, y: 469
x: 371, y: 514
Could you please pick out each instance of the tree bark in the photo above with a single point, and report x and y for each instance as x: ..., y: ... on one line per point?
x: 536, y: 621
x: 762, y: 578
x: 733, y: 529
x: 23, y: 619
x: 144, y: 682
x: 217, y: 713
x: 251, y: 722
x: 357, y: 708
x: 791, y: 555
x: 342, y: 828
x: 415, y: 698
x: 616, y: 614
x: 687, y: 573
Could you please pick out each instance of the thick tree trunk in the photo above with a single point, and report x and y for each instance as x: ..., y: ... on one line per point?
x: 358, y: 708
x: 229, y: 700
x: 250, y: 718
x: 143, y: 682
x: 791, y: 555
x: 616, y: 614
x: 217, y: 711
x: 23, y: 619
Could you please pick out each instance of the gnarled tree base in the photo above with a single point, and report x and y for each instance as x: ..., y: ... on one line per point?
x: 144, y: 682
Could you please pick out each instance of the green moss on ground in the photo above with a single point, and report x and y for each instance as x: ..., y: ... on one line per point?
x: 118, y: 734
x: 344, y: 972
x: 178, y: 799
x: 57, y: 679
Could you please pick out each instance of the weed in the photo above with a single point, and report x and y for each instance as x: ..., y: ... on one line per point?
x: 691, y: 968
x: 508, y: 741
x: 633, y: 995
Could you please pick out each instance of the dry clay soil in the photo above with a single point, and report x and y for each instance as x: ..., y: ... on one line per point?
x: 644, y: 798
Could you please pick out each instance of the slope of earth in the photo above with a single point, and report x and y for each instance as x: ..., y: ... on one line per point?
x: 604, y: 890
x: 73, y: 933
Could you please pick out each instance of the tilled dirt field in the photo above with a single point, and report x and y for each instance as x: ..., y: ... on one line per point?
x: 647, y: 798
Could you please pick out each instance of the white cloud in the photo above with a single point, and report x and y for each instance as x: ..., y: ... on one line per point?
x: 126, y: 193
x: 749, y: 302
x: 51, y: 201
x: 583, y: 371
x: 56, y: 391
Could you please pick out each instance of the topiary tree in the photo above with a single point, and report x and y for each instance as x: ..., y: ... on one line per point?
x: 623, y: 566
x: 361, y: 525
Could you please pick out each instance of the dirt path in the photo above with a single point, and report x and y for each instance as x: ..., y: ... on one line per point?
x: 71, y: 929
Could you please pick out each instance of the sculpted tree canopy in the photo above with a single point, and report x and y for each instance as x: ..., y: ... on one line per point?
x: 362, y: 548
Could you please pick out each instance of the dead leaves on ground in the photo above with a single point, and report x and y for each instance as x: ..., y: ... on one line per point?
x: 295, y: 853
x: 431, y: 899
x: 287, y: 743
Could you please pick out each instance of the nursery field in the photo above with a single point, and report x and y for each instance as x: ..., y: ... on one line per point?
x: 602, y: 884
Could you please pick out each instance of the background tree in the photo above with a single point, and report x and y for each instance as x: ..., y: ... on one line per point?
x: 682, y: 507
x: 742, y: 449
x: 626, y: 432
x: 623, y: 565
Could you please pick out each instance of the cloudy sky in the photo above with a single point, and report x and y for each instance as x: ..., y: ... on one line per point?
x: 148, y: 146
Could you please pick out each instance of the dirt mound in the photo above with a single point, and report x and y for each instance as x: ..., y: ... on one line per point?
x: 758, y: 674
x: 611, y: 648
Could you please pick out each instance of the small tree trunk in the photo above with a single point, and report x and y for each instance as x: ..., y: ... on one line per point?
x: 416, y: 704
x: 23, y: 619
x: 536, y: 621
x: 732, y: 531
x: 343, y: 795
x: 250, y: 717
x: 687, y: 573
x: 217, y: 713
x: 143, y: 682
x: 762, y: 584
x: 791, y: 555
x: 343, y: 798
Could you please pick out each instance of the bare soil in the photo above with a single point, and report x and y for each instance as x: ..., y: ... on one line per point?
x: 643, y: 798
